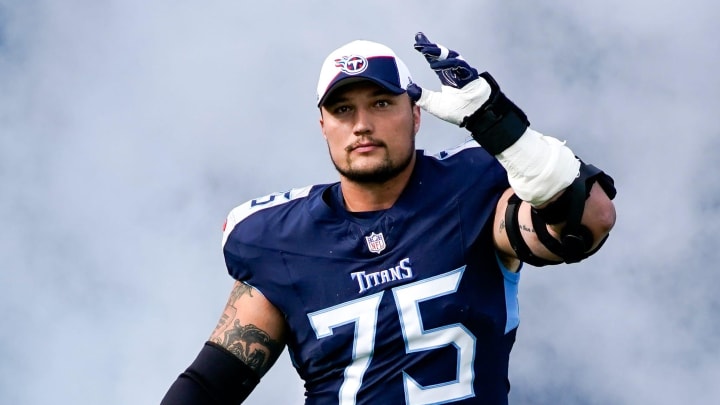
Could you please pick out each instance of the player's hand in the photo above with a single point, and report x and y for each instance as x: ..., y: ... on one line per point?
x: 462, y: 90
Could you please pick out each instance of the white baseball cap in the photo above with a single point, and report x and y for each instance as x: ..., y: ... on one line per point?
x: 362, y: 60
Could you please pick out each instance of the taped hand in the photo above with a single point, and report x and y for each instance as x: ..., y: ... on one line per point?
x: 462, y: 90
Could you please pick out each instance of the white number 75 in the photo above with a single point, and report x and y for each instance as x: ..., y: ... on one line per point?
x: 363, y: 312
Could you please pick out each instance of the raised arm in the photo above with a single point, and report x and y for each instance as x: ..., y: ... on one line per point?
x: 558, y: 209
x: 246, y: 342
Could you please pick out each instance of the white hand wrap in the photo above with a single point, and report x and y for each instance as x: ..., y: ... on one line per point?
x: 538, y: 167
x: 453, y: 105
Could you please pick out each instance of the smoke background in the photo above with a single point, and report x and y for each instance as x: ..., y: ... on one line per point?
x: 128, y: 130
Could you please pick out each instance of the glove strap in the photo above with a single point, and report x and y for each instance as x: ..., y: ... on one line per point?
x: 498, y: 123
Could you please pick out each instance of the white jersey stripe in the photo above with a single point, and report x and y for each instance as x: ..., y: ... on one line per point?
x: 244, y: 210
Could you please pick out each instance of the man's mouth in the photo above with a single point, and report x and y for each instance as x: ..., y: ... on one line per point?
x: 363, y: 146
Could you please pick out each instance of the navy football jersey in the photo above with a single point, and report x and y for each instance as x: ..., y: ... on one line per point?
x: 408, y: 305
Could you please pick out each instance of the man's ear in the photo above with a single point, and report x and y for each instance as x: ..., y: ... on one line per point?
x: 416, y: 117
x: 322, y: 124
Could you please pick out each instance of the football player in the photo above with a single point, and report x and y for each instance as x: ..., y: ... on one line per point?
x: 398, y: 283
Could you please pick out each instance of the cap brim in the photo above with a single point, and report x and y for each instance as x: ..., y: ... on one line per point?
x: 354, y: 79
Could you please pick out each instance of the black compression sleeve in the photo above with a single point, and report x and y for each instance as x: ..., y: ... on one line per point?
x: 216, y: 377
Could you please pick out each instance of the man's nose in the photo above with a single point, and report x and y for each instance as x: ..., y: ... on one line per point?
x: 363, y: 122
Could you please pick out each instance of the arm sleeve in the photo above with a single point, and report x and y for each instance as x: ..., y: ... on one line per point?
x: 216, y: 377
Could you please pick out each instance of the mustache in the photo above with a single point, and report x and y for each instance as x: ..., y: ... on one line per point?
x: 364, y: 142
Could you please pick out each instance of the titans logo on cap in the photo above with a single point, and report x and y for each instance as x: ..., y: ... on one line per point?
x: 352, y: 65
x: 359, y: 60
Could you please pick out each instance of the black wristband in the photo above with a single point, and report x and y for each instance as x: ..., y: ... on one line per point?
x: 498, y: 123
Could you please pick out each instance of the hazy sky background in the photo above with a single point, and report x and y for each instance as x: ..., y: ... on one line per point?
x: 130, y: 128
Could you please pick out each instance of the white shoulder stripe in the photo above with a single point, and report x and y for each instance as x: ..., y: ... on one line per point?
x: 248, y: 208
x: 468, y: 144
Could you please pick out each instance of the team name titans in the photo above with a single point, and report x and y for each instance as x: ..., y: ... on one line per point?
x: 369, y: 280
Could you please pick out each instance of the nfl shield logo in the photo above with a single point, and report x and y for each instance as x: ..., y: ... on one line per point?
x: 375, y: 242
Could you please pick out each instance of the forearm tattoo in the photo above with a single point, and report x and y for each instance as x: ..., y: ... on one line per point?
x: 523, y: 227
x: 526, y: 228
x: 249, y: 343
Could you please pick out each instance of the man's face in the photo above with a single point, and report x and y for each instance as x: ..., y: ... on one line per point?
x: 370, y: 132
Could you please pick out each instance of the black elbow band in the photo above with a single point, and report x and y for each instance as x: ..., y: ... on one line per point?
x: 569, y: 205
x: 498, y: 123
x: 216, y: 377
x: 576, y: 239
x: 512, y: 227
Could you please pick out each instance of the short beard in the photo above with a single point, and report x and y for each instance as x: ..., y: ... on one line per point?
x: 387, y: 171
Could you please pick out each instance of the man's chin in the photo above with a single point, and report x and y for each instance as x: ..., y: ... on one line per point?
x: 371, y: 171
x: 372, y: 175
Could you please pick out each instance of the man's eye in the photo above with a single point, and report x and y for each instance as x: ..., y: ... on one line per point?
x: 383, y: 103
x: 342, y: 109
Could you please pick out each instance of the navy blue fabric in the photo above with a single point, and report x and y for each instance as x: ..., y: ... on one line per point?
x: 381, y: 70
x: 309, y: 257
x: 216, y: 377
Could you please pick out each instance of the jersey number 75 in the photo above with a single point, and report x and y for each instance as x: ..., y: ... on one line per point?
x: 363, y: 312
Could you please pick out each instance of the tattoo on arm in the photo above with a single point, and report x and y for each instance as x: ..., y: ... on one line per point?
x: 525, y: 228
x: 238, y: 291
x: 249, y: 343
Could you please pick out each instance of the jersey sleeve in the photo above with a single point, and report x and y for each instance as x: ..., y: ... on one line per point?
x: 249, y: 220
